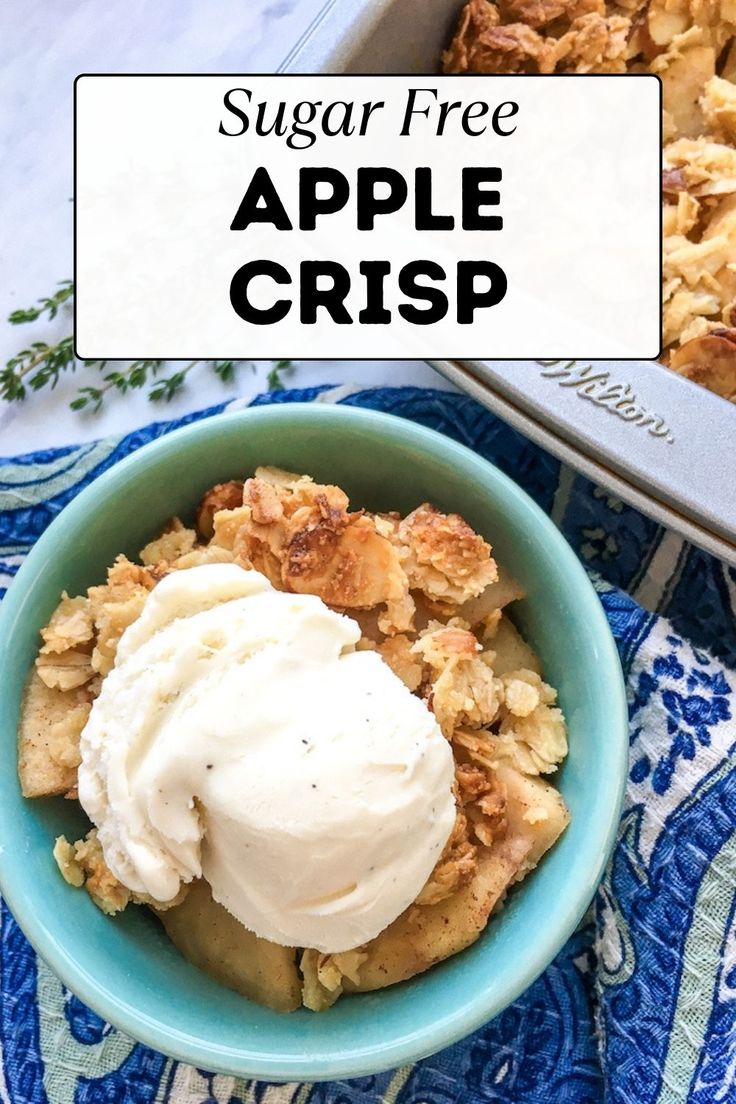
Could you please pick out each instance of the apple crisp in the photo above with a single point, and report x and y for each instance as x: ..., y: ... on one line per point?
x: 432, y: 602
x: 691, y: 46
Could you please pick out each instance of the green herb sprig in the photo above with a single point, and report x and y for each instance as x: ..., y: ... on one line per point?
x: 47, y: 305
x: 41, y: 365
x: 274, y: 380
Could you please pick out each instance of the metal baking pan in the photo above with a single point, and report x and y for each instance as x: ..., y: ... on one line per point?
x: 653, y: 438
x: 663, y: 448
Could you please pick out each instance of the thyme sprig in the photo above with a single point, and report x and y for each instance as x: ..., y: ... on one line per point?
x: 274, y: 378
x: 143, y: 372
x: 48, y: 305
x: 41, y: 365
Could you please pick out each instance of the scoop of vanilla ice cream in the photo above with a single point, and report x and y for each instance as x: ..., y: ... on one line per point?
x: 241, y: 737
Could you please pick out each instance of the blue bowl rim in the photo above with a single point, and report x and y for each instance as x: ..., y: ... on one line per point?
x: 480, y: 1006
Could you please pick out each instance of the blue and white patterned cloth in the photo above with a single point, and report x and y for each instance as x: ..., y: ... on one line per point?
x: 640, y: 1006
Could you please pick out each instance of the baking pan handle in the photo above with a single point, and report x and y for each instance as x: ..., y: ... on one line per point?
x: 664, y: 435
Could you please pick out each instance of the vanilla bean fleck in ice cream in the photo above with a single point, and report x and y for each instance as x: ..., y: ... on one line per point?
x: 241, y: 737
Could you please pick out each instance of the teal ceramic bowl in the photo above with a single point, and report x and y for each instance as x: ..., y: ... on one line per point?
x: 125, y: 968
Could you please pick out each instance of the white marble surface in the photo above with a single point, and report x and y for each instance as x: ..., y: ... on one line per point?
x: 44, y: 44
